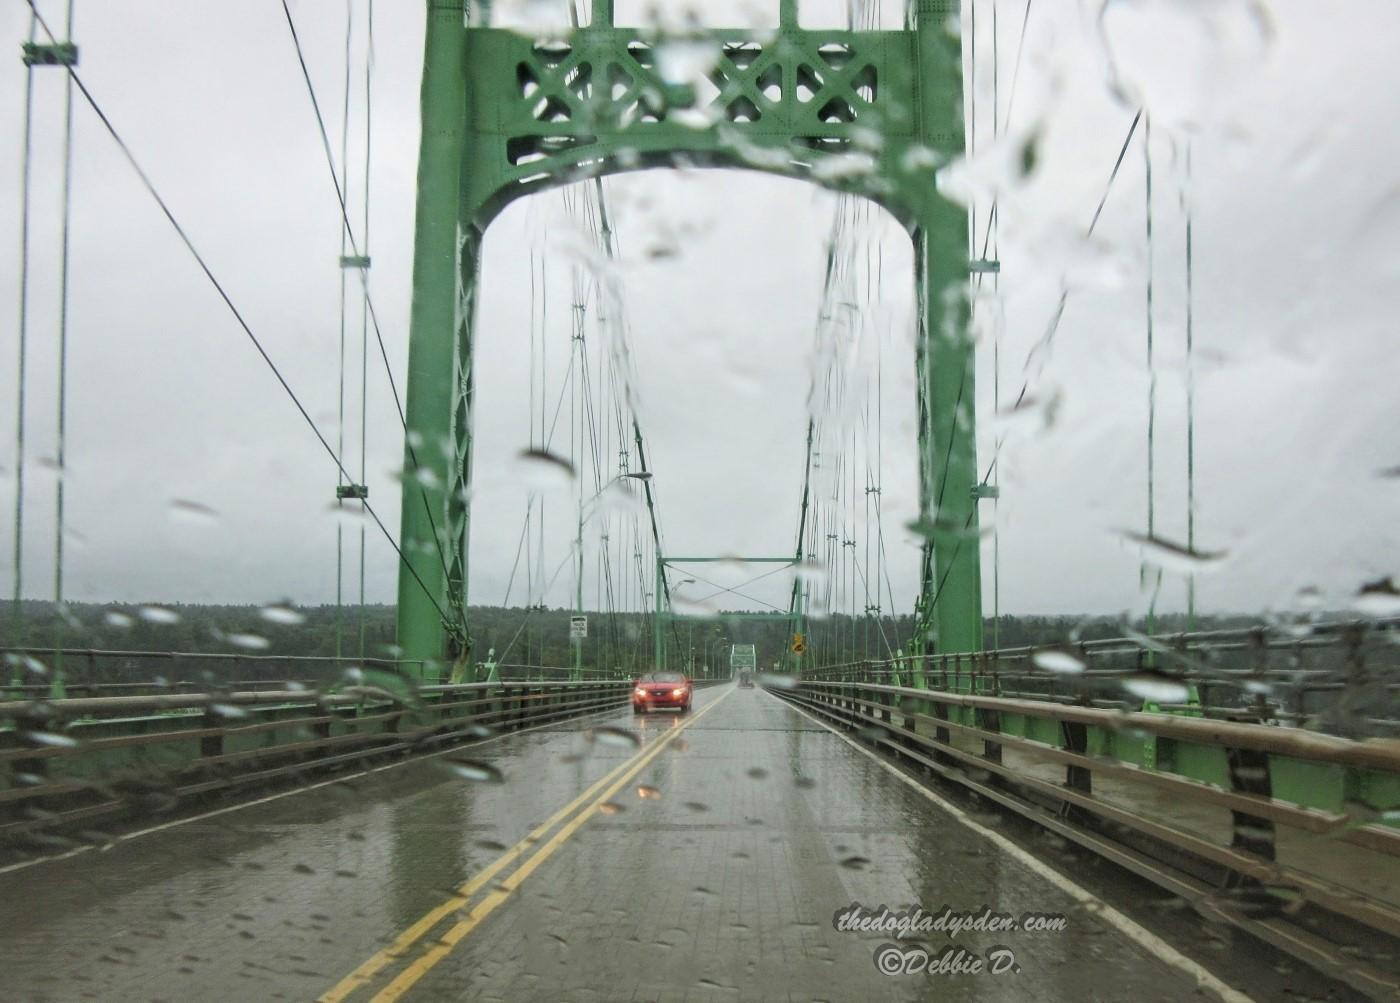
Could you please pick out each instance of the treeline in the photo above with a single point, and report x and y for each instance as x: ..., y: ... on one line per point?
x: 510, y: 635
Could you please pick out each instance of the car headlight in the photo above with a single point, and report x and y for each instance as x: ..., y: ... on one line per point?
x: 639, y: 692
x: 679, y: 691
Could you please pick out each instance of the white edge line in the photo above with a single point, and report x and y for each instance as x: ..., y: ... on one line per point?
x: 1128, y: 927
x: 127, y: 836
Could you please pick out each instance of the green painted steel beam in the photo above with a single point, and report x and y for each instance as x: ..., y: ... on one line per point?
x: 429, y: 596
x: 872, y: 113
x: 730, y: 560
x: 670, y: 617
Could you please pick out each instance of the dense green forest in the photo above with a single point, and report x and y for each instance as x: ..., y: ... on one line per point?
x: 516, y: 636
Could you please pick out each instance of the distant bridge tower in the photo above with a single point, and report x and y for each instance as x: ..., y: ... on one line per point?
x: 873, y: 113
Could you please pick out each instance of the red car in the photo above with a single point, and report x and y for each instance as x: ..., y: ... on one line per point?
x: 661, y: 689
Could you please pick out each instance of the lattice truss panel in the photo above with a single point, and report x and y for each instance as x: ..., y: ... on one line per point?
x: 542, y: 107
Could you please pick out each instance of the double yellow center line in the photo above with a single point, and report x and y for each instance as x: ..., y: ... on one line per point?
x: 609, y: 785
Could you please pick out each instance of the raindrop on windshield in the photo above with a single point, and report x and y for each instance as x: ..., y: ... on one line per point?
x: 1156, y: 688
x: 1056, y: 660
x: 1175, y: 557
x: 608, y: 735
x: 541, y: 470
x: 193, y: 512
x: 282, y: 613
x: 475, y: 770
x: 686, y: 60
x: 1378, y: 599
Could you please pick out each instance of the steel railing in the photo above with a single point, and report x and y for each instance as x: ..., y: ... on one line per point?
x: 1127, y: 785
x: 1338, y: 677
x: 73, y: 760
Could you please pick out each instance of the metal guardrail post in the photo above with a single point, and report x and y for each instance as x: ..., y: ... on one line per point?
x: 1074, y: 737
x: 211, y: 745
x: 1249, y: 774
x: 987, y: 719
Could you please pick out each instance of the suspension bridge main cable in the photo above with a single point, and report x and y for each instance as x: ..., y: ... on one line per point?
x: 238, y: 317
x: 349, y: 233
x: 1044, y: 340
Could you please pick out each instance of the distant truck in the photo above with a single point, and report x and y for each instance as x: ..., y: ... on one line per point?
x: 743, y: 661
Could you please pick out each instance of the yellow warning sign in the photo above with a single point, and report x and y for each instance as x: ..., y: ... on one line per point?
x: 799, y: 644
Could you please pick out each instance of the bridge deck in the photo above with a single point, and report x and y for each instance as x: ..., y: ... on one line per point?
x: 706, y: 865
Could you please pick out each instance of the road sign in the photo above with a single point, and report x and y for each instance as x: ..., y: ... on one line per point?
x: 799, y: 644
x: 578, y: 628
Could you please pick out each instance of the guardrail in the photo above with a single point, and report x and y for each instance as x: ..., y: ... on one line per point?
x: 1286, y: 833
x: 77, y: 760
x: 96, y: 671
x: 1343, y: 678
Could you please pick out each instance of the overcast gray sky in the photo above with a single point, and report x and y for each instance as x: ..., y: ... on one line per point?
x: 1290, y: 115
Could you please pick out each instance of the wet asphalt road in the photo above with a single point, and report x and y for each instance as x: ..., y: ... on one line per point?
x: 711, y: 872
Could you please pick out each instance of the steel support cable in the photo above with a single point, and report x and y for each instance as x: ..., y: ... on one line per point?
x: 610, y: 247
x: 734, y: 591
x: 609, y: 242
x: 21, y: 372
x: 746, y: 582
x: 1151, y: 381
x: 588, y: 410
x: 232, y: 307
x: 802, y: 512
x: 364, y: 282
x: 1190, y: 397
x: 365, y: 303
x: 1045, y: 340
x: 530, y: 609
x: 528, y: 520
x: 992, y: 213
x: 344, y: 208
x: 519, y: 548
x: 835, y: 243
x: 993, y: 234
x: 61, y: 446
x: 889, y: 649
x: 340, y: 405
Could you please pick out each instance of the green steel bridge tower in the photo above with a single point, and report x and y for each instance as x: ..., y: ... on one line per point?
x: 871, y: 113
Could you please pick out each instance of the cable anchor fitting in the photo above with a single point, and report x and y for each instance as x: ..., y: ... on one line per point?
x: 54, y: 54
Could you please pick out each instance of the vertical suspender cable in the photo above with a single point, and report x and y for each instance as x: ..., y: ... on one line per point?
x: 344, y: 227
x: 61, y: 449
x: 1190, y: 402
x: 365, y: 308
x: 1151, y: 380
x: 20, y: 372
x: 995, y: 223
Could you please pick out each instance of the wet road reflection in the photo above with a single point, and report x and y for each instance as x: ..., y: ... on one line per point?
x: 701, y: 857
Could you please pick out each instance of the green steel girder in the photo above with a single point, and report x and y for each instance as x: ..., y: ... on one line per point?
x: 873, y: 113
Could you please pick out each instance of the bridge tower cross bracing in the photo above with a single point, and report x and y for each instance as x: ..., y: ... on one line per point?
x: 873, y: 113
